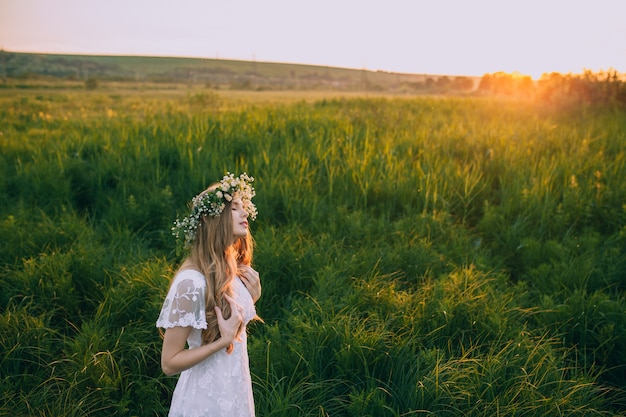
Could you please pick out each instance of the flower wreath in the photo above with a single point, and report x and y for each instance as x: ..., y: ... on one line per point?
x: 212, y: 203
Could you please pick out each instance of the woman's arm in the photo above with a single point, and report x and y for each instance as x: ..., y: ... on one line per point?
x: 175, y: 358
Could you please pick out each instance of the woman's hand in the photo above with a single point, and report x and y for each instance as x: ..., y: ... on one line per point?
x: 175, y: 357
x: 230, y: 328
x: 251, y: 280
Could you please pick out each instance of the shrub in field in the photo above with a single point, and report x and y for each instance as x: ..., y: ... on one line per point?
x: 28, y: 346
x: 91, y: 83
x: 593, y: 323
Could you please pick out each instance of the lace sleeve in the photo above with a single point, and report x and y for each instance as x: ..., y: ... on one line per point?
x: 185, y: 303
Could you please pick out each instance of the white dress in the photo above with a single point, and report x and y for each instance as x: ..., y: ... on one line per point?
x: 220, y: 385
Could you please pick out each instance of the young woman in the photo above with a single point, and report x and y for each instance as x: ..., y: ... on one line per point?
x: 209, y: 303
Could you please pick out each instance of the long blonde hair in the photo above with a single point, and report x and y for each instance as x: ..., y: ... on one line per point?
x: 215, y: 256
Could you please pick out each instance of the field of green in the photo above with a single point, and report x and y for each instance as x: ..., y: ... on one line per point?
x: 419, y: 256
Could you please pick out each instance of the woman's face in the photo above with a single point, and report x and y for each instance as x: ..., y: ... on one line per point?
x: 239, y: 218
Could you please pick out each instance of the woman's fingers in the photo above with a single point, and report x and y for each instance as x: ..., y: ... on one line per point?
x: 236, y: 309
x: 233, y: 304
x: 218, y: 313
x: 230, y: 328
x: 251, y: 280
x: 248, y: 273
x: 235, y: 321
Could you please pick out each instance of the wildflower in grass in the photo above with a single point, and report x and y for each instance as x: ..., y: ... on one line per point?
x: 598, y: 183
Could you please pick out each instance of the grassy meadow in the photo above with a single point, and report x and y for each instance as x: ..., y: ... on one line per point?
x: 420, y: 256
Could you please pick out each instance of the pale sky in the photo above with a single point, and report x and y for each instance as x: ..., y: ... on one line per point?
x: 453, y: 37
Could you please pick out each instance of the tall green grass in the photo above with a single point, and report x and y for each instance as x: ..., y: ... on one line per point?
x: 419, y: 256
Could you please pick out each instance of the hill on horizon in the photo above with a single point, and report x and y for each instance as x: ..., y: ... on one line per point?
x: 219, y: 73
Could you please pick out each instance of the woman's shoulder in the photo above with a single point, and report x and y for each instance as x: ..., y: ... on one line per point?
x: 190, y: 274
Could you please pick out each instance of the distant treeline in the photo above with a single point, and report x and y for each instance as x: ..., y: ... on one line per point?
x: 24, y: 66
x: 605, y: 87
